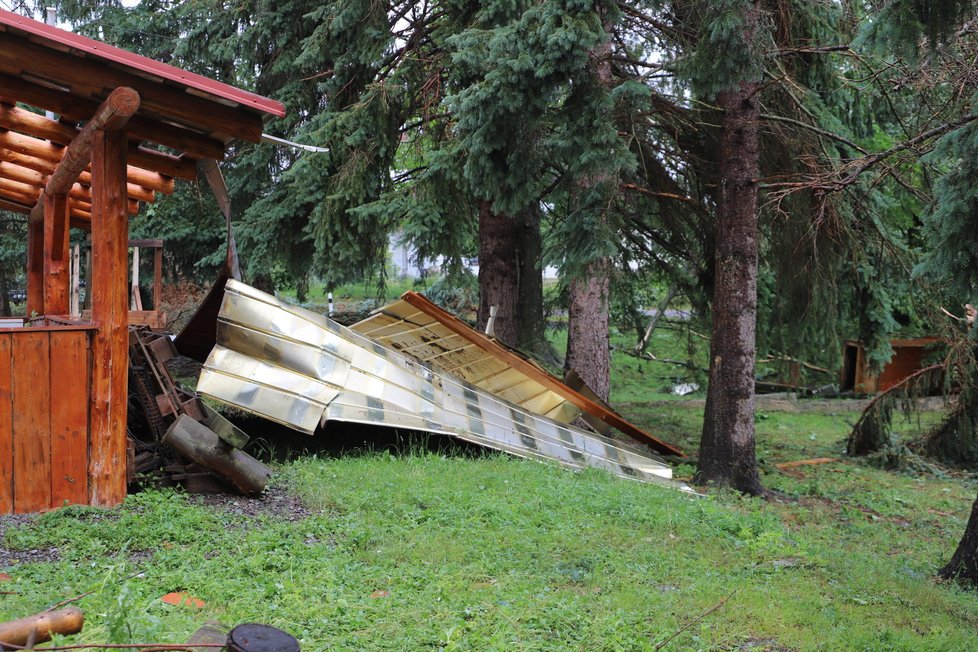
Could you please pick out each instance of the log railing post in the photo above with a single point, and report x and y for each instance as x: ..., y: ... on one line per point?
x: 56, y: 269
x: 35, y: 269
x: 110, y: 238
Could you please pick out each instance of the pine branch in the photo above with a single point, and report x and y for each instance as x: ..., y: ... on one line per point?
x: 814, y: 129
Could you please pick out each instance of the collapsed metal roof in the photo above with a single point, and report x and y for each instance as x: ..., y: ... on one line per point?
x: 301, y: 369
x: 420, y: 329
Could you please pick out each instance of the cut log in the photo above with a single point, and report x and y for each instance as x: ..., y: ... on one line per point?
x: 253, y: 637
x: 39, y: 627
x: 200, y: 444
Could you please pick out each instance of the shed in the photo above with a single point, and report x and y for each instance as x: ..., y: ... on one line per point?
x: 126, y: 128
x: 909, y: 356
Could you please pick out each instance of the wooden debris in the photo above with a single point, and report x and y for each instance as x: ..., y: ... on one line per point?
x: 40, y: 627
x: 784, y: 466
x: 199, y: 443
x: 209, y: 634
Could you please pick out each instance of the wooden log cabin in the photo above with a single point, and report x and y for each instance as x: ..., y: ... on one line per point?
x: 126, y: 128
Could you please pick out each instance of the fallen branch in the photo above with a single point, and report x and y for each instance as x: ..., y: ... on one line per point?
x: 784, y: 466
x: 39, y: 627
x: 86, y: 593
x: 703, y: 615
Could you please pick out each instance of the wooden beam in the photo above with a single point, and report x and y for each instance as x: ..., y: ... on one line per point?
x: 78, y: 109
x: 139, y: 180
x: 14, y: 207
x: 91, y: 79
x: 111, y: 115
x: 147, y: 159
x: 56, y: 232
x: 107, y: 466
x: 35, y: 269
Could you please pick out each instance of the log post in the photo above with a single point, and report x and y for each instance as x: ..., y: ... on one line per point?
x: 110, y: 258
x: 35, y: 268
x: 158, y: 279
x: 56, y: 235
x: 111, y: 116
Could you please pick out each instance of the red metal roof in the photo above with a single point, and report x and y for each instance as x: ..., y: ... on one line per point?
x: 90, y: 48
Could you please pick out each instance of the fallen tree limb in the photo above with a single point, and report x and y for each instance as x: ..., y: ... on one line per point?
x: 818, y: 460
x: 40, y: 627
x: 703, y: 615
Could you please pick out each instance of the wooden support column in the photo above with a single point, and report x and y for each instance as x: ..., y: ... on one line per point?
x: 110, y: 237
x: 35, y: 268
x: 56, y: 261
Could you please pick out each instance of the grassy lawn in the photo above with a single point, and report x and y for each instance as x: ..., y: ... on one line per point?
x: 429, y: 551
x: 423, y: 551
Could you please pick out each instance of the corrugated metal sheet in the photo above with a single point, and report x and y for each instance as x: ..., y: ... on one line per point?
x: 420, y: 329
x: 301, y: 369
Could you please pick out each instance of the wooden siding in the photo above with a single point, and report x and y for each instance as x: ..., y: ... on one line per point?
x: 44, y: 418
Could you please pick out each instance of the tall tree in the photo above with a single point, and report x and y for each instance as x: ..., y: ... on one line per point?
x: 727, y: 456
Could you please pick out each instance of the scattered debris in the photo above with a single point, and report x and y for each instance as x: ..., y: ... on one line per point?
x: 181, y: 438
x: 683, y: 389
x: 181, y: 599
x: 416, y: 327
x: 301, y: 369
x: 249, y: 637
x: 40, y: 627
x: 784, y: 466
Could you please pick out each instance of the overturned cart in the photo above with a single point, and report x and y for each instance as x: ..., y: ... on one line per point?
x: 298, y: 368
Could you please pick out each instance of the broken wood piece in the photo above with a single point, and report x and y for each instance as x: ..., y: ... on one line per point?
x: 209, y: 634
x: 223, y: 428
x: 254, y: 637
x: 818, y: 460
x: 40, y: 627
x: 199, y: 443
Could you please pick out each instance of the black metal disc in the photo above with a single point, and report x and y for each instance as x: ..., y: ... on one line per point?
x: 254, y: 637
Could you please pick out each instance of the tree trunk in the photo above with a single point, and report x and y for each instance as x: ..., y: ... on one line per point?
x: 530, y: 329
x: 587, y: 328
x: 587, y: 311
x: 727, y: 456
x: 963, y: 567
x: 499, y: 273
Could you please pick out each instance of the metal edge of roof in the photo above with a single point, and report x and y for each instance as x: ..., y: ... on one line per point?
x: 144, y: 65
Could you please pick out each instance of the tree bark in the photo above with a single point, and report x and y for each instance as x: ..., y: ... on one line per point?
x: 963, y: 567
x: 499, y: 273
x: 727, y: 456
x: 587, y: 314
x: 587, y: 328
x: 531, y: 329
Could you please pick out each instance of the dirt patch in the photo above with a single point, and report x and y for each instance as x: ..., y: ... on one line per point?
x: 276, y: 502
x: 12, y: 557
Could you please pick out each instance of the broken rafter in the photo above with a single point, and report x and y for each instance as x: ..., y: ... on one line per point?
x: 111, y: 115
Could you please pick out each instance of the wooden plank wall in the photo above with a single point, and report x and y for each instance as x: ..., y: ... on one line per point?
x: 44, y: 418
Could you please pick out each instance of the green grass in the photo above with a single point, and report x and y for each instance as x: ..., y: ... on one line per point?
x: 423, y: 551
x: 500, y: 553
